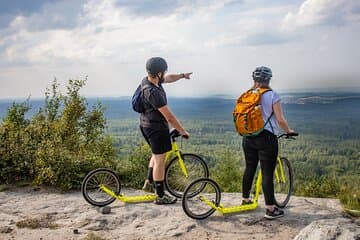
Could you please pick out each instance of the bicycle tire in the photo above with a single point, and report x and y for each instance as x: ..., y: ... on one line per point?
x: 92, y: 182
x: 192, y: 205
x: 176, y: 182
x: 281, y: 189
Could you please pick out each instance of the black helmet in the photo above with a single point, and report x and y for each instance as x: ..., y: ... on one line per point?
x: 156, y: 65
x: 262, y: 74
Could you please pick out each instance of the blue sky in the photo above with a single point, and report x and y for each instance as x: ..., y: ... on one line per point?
x: 310, y: 44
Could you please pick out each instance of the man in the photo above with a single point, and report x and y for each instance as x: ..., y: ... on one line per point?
x: 154, y: 123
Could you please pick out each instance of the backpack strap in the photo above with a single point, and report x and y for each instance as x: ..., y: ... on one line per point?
x: 262, y: 91
x: 268, y: 121
x: 143, y: 87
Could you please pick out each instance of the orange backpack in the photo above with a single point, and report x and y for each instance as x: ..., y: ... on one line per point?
x: 247, y: 114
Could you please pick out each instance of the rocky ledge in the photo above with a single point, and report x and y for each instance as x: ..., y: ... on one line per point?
x: 47, y: 214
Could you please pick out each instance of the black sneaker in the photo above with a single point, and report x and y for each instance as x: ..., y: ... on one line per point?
x: 276, y: 213
x: 246, y: 202
x: 166, y: 199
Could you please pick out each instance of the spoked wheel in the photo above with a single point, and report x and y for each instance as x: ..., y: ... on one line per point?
x: 199, y: 206
x: 283, y: 184
x: 176, y: 181
x: 90, y: 187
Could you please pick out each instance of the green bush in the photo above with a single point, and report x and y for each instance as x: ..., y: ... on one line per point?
x: 349, y: 194
x: 16, y: 145
x: 133, y: 169
x: 227, y: 172
x: 322, y: 187
x: 350, y: 198
x: 59, y: 145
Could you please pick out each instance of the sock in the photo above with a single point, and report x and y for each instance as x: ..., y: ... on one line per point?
x: 150, y: 175
x: 159, y: 186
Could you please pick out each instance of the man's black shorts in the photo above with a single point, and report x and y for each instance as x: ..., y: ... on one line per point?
x: 159, y: 140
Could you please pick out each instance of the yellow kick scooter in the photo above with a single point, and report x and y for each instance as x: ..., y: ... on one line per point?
x: 207, y: 201
x: 102, y: 186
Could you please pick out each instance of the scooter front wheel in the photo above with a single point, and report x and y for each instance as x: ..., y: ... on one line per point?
x: 203, y: 204
x: 91, y: 190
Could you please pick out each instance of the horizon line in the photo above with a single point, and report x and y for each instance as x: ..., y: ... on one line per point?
x: 221, y: 96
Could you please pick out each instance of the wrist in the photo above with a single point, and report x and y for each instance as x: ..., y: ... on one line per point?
x: 182, y: 75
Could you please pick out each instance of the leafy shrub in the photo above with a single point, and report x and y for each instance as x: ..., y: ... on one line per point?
x: 133, y: 169
x: 16, y: 145
x: 322, y: 187
x: 59, y: 145
x: 227, y: 172
x: 349, y: 194
x: 350, y: 198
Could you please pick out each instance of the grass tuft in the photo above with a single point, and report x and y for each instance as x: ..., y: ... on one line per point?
x: 92, y: 236
x: 35, y: 223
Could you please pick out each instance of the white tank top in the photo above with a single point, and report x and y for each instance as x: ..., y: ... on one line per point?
x: 268, y: 99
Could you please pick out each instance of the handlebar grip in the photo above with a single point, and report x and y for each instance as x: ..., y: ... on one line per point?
x: 185, y: 136
x: 292, y: 134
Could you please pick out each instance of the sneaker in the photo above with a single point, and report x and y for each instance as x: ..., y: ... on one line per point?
x: 166, y: 199
x: 276, y: 213
x: 246, y: 202
x: 148, y: 187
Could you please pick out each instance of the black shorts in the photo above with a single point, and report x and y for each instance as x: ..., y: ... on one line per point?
x: 159, y: 140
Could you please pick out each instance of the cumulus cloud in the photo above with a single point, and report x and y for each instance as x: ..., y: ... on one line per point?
x: 114, y: 30
x: 323, y: 12
x: 259, y: 26
x: 95, y: 31
x: 111, y: 39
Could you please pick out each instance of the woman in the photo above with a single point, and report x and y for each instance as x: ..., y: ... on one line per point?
x: 154, y: 123
x: 264, y: 146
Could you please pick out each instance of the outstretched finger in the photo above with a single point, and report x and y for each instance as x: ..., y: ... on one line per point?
x: 187, y: 75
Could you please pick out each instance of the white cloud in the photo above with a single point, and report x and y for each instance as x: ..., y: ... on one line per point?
x: 322, y: 12
x: 108, y: 30
x: 260, y: 26
x: 110, y: 40
x: 102, y: 30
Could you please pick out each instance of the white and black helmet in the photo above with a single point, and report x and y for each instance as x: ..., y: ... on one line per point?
x: 262, y: 74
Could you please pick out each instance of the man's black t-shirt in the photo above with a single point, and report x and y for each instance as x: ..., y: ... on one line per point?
x: 153, y: 99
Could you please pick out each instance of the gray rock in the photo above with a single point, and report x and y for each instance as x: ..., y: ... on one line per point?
x: 105, y: 210
x: 330, y: 229
x: 82, y: 223
x: 6, y: 229
x: 98, y: 224
x: 152, y: 213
